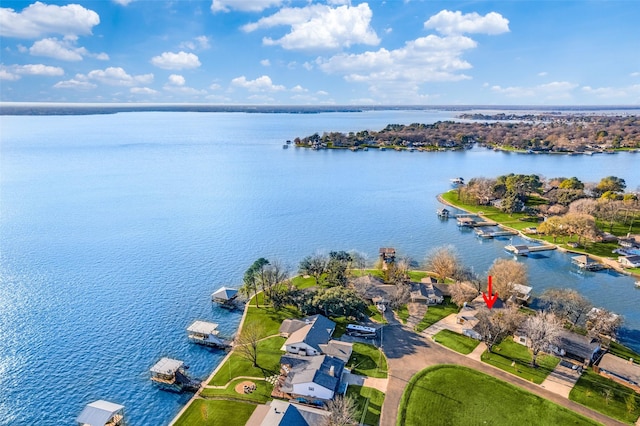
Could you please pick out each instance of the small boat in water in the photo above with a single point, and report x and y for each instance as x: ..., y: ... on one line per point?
x: 457, y: 181
x: 637, y: 284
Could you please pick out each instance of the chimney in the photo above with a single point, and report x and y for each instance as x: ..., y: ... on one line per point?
x: 332, y: 371
x: 630, y: 360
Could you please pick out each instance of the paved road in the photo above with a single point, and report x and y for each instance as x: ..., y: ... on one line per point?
x: 408, y: 352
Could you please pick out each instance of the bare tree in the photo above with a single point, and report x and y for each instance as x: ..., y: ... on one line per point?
x: 566, y: 304
x: 342, y: 412
x: 462, y: 292
x: 401, y: 295
x: 314, y: 265
x: 275, y: 273
x: 496, y: 324
x: 359, y: 260
x: 506, y: 273
x: 443, y: 261
x: 603, y: 323
x: 247, y: 342
x: 542, y: 330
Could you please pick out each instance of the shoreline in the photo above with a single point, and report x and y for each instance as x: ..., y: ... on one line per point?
x: 609, y: 263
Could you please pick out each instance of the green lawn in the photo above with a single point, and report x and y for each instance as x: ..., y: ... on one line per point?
x: 375, y: 314
x: 216, y: 412
x: 269, y: 354
x: 270, y: 319
x: 508, y: 351
x: 624, y: 352
x: 261, y: 395
x: 367, y: 360
x: 403, y: 313
x: 590, y: 391
x: 416, y: 276
x: 370, y: 398
x: 302, y: 283
x: 459, y: 343
x: 436, y: 313
x: 454, y: 395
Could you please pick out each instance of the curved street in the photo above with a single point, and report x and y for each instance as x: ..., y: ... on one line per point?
x: 409, y: 352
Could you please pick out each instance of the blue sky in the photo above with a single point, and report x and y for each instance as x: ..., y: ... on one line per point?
x: 322, y: 52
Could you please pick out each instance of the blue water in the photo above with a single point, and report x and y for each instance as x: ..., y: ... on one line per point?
x: 115, y: 229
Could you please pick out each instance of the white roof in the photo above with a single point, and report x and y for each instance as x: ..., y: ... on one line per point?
x: 203, y: 327
x: 98, y: 413
x: 167, y: 366
x: 520, y: 288
x: 224, y: 293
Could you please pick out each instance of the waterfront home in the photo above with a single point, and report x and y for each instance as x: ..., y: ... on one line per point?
x: 467, y: 316
x: 169, y: 374
x: 206, y: 333
x: 305, y: 336
x: 625, y: 372
x: 632, y: 261
x: 283, y: 413
x: 570, y: 345
x: 630, y: 242
x: 425, y: 293
x: 101, y: 413
x: 311, y: 376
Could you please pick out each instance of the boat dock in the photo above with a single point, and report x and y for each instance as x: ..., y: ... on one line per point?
x: 491, y: 234
x: 524, y: 250
x: 206, y: 333
x: 586, y: 263
x: 469, y: 222
x: 169, y: 374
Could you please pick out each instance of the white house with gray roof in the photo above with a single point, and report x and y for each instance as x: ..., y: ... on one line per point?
x: 312, y: 376
x: 306, y: 336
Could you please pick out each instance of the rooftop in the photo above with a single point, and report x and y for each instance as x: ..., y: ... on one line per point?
x: 203, y: 327
x: 98, y: 413
x: 621, y: 367
x: 167, y: 366
x: 225, y: 293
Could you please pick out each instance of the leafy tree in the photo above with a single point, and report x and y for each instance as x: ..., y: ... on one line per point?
x: 553, y: 226
x: 337, y: 266
x: 611, y: 183
x: 511, y: 203
x: 443, y: 261
x: 339, y: 301
x: 506, y: 273
x: 542, y: 330
x: 571, y: 183
x: 250, y: 280
x: 314, y: 265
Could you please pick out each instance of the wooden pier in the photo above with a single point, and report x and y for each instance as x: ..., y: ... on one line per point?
x: 524, y: 250
x: 491, y: 234
x: 470, y: 222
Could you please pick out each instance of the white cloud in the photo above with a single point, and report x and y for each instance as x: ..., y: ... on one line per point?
x: 543, y: 74
x: 142, y: 91
x: 265, y: 63
x: 74, y: 84
x: 123, y: 2
x: 64, y: 50
x: 14, y: 72
x: 447, y: 22
x: 322, y: 93
x: 320, y: 27
x: 215, y: 86
x: 115, y: 76
x: 260, y: 84
x: 613, y: 92
x: 299, y: 89
x: 176, y: 80
x: 39, y: 19
x: 200, y: 42
x: 176, y: 61
x: 553, y: 90
x: 243, y: 5
x: 634, y: 74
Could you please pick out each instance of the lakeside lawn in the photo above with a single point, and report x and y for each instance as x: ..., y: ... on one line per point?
x: 508, y: 352
x: 269, y: 354
x: 455, y: 395
x: 301, y: 282
x: 459, y: 343
x: 270, y: 319
x: 216, y: 412
x: 436, y: 312
x: 617, y: 349
x: 367, y: 398
x: 590, y: 391
x: 261, y: 395
x: 367, y: 360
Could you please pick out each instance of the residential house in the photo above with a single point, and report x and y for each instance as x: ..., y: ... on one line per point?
x: 311, y: 376
x: 305, y: 336
x: 467, y: 316
x: 283, y: 413
x: 521, y: 293
x: 425, y: 293
x: 630, y: 242
x: 625, y: 372
x: 631, y: 261
x: 577, y: 347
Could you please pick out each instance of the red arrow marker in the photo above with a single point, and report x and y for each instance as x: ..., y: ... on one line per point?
x: 489, y: 299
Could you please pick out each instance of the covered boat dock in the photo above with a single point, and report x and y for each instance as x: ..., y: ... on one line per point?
x: 101, y: 413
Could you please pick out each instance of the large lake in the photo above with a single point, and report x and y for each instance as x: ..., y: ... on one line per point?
x: 115, y: 229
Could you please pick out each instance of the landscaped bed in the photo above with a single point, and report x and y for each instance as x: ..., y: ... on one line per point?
x: 368, y: 398
x: 459, y: 343
x: 454, y: 395
x: 509, y: 352
x: 261, y: 394
x: 435, y: 313
x: 606, y: 396
x: 367, y: 360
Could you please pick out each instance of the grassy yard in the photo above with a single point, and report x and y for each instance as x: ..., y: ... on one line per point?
x: 377, y: 273
x: 375, y: 314
x: 367, y: 360
x: 508, y: 352
x: 416, y: 276
x: 302, y: 282
x: 436, y: 313
x: 261, y: 395
x: 459, y: 343
x: 370, y: 398
x: 454, y: 395
x: 624, y: 352
x: 403, y: 313
x: 269, y: 354
x: 216, y: 412
x: 590, y: 391
x: 270, y: 319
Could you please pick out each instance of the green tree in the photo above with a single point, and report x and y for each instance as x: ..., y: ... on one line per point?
x: 339, y: 301
x: 337, y: 266
x: 571, y: 183
x: 611, y: 183
x: 252, y: 276
x: 314, y: 265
